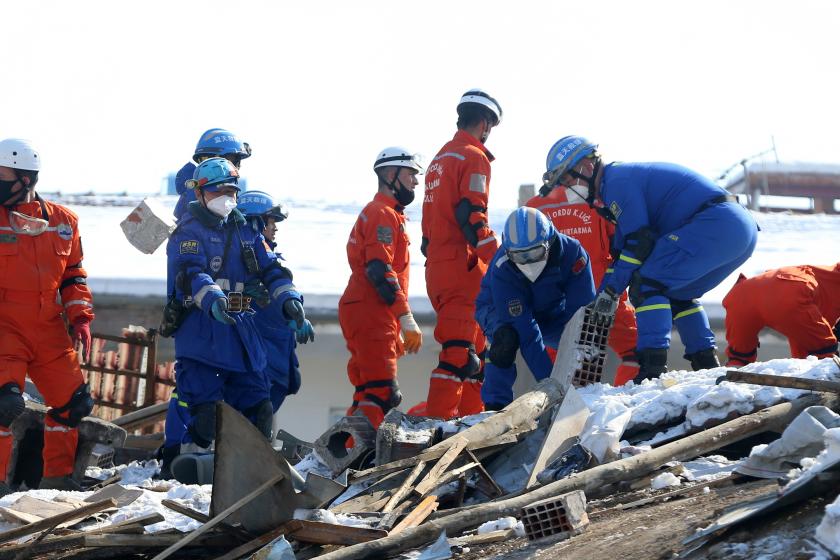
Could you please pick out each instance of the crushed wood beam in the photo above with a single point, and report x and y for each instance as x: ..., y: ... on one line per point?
x: 46, y: 523
x: 107, y: 482
x: 417, y: 516
x: 154, y: 540
x: 738, y: 376
x: 486, y: 538
x: 220, y: 517
x: 238, y: 532
x: 405, y: 489
x: 317, y: 532
x: 772, y: 418
x: 144, y: 417
x: 253, y: 545
x: 128, y: 524
x: 445, y: 479
x: 148, y: 442
x: 428, y: 483
x: 487, y: 484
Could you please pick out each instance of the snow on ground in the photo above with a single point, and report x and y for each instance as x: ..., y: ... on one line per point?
x: 313, y: 242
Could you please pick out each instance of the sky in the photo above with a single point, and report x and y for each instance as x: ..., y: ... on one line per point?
x: 116, y: 94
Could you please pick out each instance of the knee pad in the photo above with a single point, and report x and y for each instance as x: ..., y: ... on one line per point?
x: 703, y: 359
x: 11, y: 403
x: 502, y: 351
x: 261, y: 415
x: 652, y: 363
x: 203, y: 425
x: 79, y: 406
x: 470, y: 369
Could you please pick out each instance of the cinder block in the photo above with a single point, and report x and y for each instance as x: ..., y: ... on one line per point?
x: 553, y: 516
x: 331, y: 446
x: 593, y: 338
x: 401, y: 436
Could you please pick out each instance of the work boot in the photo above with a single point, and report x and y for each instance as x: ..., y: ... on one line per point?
x: 167, y: 455
x: 652, y: 363
x: 703, y: 359
x: 65, y: 482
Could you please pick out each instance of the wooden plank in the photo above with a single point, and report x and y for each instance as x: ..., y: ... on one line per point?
x: 489, y: 487
x: 122, y: 495
x: 417, y: 516
x: 128, y: 525
x: 739, y: 376
x: 143, y: 417
x: 253, y: 545
x: 238, y: 532
x: 486, y: 538
x: 107, y: 482
x: 237, y: 505
x: 147, y: 442
x: 429, y: 481
x: 154, y: 540
x: 446, y: 478
x: 405, y: 489
x: 48, y: 522
x: 317, y: 532
x: 28, y: 509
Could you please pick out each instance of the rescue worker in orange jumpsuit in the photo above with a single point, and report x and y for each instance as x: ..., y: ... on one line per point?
x: 572, y: 216
x: 458, y: 245
x: 800, y: 302
x: 40, y: 259
x: 373, y: 312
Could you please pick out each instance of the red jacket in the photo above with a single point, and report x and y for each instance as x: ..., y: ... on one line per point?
x: 459, y: 171
x: 34, y: 268
x: 578, y: 220
x: 379, y: 233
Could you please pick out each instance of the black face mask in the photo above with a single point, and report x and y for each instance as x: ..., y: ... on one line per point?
x: 6, y: 190
x: 403, y: 195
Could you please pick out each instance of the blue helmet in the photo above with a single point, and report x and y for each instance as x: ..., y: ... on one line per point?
x: 214, y: 173
x: 564, y: 155
x: 218, y: 142
x: 261, y: 205
x: 527, y: 235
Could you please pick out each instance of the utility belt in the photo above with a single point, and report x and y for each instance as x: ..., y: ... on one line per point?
x: 177, y: 309
x: 714, y: 202
x: 238, y: 302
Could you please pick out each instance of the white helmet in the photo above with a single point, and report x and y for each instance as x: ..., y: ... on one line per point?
x: 399, y: 157
x: 481, y: 97
x: 19, y: 154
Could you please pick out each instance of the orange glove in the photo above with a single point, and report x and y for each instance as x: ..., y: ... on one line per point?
x: 80, y: 333
x: 412, y: 336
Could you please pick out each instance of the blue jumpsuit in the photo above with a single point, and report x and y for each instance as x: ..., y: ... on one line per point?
x: 538, y: 311
x: 217, y: 361
x: 679, y: 235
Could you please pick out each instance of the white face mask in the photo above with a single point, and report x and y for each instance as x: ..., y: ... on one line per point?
x: 577, y: 194
x: 222, y: 206
x: 532, y: 271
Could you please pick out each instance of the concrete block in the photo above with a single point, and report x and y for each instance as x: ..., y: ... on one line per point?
x: 331, y: 446
x: 148, y: 225
x: 401, y: 436
x: 563, y: 515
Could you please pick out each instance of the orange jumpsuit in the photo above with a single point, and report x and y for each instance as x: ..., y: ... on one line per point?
x: 578, y: 220
x: 370, y: 326
x: 34, y: 270
x: 458, y: 244
x: 800, y: 302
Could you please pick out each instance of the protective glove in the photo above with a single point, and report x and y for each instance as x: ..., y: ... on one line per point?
x: 304, y: 334
x: 293, y: 309
x: 219, y: 312
x: 80, y: 331
x: 259, y: 293
x: 412, y: 336
x: 604, y: 306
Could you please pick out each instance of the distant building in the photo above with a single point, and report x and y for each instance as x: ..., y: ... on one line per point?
x: 818, y: 181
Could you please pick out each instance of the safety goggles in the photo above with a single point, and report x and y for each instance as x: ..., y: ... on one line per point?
x: 27, y: 225
x: 529, y: 255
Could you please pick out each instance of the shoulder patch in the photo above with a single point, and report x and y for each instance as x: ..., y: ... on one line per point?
x: 189, y: 247
x: 673, y: 237
x: 615, y: 209
x: 478, y: 183
x: 384, y: 234
x: 514, y: 307
x: 64, y: 231
x: 579, y: 265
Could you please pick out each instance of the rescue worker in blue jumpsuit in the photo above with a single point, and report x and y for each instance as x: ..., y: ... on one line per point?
x: 220, y: 355
x: 280, y: 337
x: 536, y: 281
x: 216, y: 142
x: 678, y: 235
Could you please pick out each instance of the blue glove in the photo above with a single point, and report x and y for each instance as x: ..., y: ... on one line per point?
x: 304, y: 334
x: 604, y: 306
x: 293, y: 309
x: 219, y: 312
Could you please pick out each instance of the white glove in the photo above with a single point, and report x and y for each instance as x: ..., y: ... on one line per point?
x: 412, y: 336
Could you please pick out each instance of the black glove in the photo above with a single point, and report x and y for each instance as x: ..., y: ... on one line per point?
x: 604, y: 306
x: 293, y: 309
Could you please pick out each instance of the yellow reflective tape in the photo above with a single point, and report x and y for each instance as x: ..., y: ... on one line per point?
x: 688, y: 312
x: 182, y: 403
x: 631, y: 260
x: 173, y: 395
x: 610, y: 270
x: 653, y: 307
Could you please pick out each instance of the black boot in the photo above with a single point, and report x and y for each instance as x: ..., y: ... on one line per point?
x: 651, y: 363
x: 167, y: 455
x: 704, y: 359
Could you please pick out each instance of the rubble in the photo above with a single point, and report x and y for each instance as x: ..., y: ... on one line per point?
x: 332, y: 445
